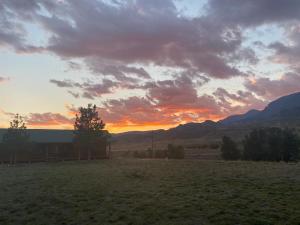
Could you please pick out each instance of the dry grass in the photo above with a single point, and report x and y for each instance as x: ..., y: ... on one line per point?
x: 150, y: 192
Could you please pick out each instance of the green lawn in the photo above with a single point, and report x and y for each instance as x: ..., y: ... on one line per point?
x: 150, y: 192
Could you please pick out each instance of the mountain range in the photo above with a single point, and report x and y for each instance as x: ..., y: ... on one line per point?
x: 283, y: 112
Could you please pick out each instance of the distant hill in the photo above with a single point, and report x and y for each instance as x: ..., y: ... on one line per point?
x: 240, y: 118
x: 283, y: 112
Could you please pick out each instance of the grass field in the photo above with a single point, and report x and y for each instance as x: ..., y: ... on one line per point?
x: 150, y: 192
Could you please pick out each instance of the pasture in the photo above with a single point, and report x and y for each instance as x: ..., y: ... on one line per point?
x: 150, y: 192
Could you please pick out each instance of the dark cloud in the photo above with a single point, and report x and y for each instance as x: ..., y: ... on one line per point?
x: 12, y: 31
x: 245, y: 55
x: 140, y: 31
x: 89, y: 89
x: 74, y: 94
x: 254, y: 12
x: 97, y: 90
x: 119, y: 71
x: 93, y: 89
x: 288, y: 52
x: 131, y: 32
x: 64, y: 83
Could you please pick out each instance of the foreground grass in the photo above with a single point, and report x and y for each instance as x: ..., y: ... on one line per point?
x: 150, y: 192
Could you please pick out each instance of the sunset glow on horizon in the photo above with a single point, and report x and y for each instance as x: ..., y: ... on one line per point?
x: 145, y: 64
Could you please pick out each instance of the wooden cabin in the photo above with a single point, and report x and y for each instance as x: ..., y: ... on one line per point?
x: 53, y: 145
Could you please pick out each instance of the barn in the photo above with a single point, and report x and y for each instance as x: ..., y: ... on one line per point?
x: 53, y: 145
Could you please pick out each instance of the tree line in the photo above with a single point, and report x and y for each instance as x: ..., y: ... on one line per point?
x: 264, y: 144
x: 171, y: 152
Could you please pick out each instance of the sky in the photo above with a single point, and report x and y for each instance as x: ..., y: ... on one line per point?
x: 146, y: 64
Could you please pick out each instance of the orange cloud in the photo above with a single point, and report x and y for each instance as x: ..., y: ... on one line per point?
x: 49, y: 120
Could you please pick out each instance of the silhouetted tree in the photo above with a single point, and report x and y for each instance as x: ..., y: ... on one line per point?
x: 3, y: 153
x: 16, y: 138
x: 229, y: 149
x: 275, y: 144
x: 89, y: 133
x: 290, y: 148
x: 255, y: 145
x: 271, y: 144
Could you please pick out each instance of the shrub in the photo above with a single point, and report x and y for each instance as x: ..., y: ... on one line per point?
x: 150, y: 153
x: 229, y: 150
x: 160, y: 154
x: 175, y: 152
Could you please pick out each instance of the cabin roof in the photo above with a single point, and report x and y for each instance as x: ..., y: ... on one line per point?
x: 46, y: 136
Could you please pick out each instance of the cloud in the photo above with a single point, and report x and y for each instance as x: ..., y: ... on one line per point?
x: 2, y: 112
x: 74, y: 94
x: 288, y: 53
x: 121, y: 41
x: 120, y: 72
x: 167, y: 102
x: 42, y: 120
x: 48, y: 120
x: 89, y: 89
x: 97, y: 90
x: 271, y: 89
x: 112, y: 35
x: 130, y: 32
x: 239, y: 102
x: 64, y: 83
x: 74, y: 65
x: 4, y: 79
x: 174, y: 101
x: 13, y: 33
x: 180, y: 94
x: 134, y: 112
x: 254, y: 12
x: 137, y: 33
x: 160, y: 111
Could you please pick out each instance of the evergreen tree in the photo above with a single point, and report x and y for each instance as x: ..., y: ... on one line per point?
x: 290, y: 149
x: 275, y: 144
x: 271, y: 144
x: 256, y: 145
x: 229, y: 150
x: 16, y: 138
x: 89, y: 133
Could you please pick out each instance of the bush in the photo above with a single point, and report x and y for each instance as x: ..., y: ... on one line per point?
x: 160, y: 154
x: 150, y: 153
x: 175, y: 152
x: 229, y: 150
